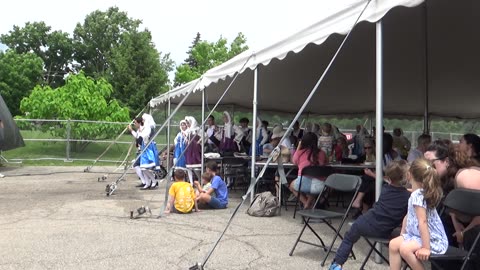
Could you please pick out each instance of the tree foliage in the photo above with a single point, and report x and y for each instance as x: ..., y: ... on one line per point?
x: 19, y: 73
x: 204, y: 55
x: 110, y: 44
x: 55, y: 48
x: 81, y: 98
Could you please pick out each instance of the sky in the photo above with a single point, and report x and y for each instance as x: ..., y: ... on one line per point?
x: 174, y: 23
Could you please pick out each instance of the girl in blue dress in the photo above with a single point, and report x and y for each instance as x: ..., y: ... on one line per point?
x: 422, y: 230
x: 180, y: 142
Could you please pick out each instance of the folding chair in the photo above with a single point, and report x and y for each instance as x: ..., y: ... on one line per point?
x: 373, y: 241
x: 235, y: 168
x: 340, y: 182
x: 465, y: 201
x: 317, y: 172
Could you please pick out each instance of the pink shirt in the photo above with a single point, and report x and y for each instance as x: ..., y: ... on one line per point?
x: 300, y: 158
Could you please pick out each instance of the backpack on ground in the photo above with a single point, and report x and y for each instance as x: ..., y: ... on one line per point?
x: 264, y: 204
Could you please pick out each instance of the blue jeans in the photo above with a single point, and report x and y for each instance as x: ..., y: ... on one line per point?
x: 360, y: 228
x: 216, y: 204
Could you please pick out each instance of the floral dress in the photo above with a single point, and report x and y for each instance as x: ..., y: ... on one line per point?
x: 438, y: 237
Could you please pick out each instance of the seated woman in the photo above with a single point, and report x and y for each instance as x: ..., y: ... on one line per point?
x: 467, y: 227
x: 308, y: 154
x: 470, y: 143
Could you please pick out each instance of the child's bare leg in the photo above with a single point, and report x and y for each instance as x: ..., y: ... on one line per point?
x: 357, y: 203
x: 407, y: 251
x: 394, y: 253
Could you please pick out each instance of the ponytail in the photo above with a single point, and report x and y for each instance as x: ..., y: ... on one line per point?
x: 423, y: 171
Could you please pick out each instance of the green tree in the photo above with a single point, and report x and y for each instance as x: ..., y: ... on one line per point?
x: 136, y: 71
x: 110, y: 44
x: 191, y: 61
x: 81, y: 98
x: 19, y: 73
x: 55, y: 48
x: 205, y: 55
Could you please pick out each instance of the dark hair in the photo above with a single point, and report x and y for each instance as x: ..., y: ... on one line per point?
x: 474, y: 141
x: 179, y: 174
x: 310, y: 142
x: 397, y: 132
x: 444, y: 150
x: 139, y: 120
x: 265, y: 123
x: 423, y: 138
x: 211, y: 117
x: 441, y: 149
x: 244, y: 120
x: 387, y: 144
x: 212, y: 165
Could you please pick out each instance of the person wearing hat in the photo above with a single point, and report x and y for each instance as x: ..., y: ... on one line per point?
x: 277, y: 134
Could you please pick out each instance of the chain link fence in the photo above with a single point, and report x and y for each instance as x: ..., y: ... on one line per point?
x: 80, y: 140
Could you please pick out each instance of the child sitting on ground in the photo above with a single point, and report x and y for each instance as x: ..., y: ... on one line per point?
x: 422, y: 230
x: 207, y: 184
x: 386, y: 215
x: 181, y: 195
x: 205, y: 199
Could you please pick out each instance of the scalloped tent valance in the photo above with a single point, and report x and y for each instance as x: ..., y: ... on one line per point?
x: 430, y: 48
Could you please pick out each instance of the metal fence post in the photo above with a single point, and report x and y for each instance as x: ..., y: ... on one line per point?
x: 68, y: 141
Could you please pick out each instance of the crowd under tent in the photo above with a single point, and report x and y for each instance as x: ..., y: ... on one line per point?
x: 404, y: 58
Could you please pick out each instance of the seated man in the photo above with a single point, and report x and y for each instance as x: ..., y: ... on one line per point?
x: 387, y: 213
x: 205, y: 198
x: 181, y: 195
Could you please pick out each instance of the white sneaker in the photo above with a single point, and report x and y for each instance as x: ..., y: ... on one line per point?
x: 1, y: 175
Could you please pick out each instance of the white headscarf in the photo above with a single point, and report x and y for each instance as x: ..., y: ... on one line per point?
x: 181, y: 133
x: 193, y: 125
x: 148, y: 121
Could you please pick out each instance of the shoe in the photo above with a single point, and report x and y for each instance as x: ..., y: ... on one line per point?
x: 154, y: 186
x: 335, y: 266
x: 292, y: 198
x: 140, y: 185
x: 145, y: 187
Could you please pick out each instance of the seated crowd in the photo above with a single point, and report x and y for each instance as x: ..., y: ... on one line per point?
x: 416, y: 180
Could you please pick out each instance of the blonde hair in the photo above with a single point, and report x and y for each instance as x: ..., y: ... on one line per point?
x: 396, y: 171
x: 207, y: 176
x: 422, y: 171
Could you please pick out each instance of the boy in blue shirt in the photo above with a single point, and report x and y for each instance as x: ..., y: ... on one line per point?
x: 385, y: 215
x: 205, y: 198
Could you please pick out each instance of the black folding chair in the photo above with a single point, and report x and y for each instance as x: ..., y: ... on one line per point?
x: 465, y: 201
x: 317, y: 172
x: 340, y: 182
x: 235, y: 168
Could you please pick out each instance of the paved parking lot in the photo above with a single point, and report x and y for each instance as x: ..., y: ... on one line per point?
x: 60, y: 218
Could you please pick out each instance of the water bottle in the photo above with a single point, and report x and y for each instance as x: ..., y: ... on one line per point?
x: 334, y: 156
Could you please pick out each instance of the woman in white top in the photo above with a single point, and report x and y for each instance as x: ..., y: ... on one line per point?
x: 149, y: 157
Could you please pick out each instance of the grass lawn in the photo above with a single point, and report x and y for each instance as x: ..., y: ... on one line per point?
x: 50, y: 153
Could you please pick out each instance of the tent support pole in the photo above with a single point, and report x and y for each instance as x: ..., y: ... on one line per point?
x: 204, y: 139
x: 426, y: 126
x: 379, y: 118
x: 254, y: 130
x: 168, y: 133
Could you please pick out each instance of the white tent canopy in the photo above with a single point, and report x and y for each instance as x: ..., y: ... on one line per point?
x: 430, y: 49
